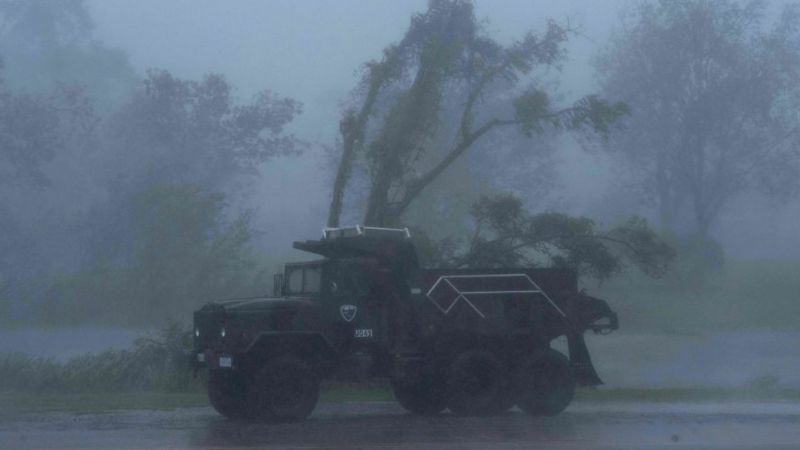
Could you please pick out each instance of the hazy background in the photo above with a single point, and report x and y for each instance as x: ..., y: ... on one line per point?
x: 311, y: 51
x: 100, y: 244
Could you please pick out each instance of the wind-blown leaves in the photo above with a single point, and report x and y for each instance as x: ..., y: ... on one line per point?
x: 507, y: 236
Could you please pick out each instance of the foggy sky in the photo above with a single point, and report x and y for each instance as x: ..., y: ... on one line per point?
x: 311, y: 51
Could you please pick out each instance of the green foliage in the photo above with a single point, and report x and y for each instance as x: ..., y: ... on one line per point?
x: 595, y: 113
x: 128, y: 224
x: 713, y: 87
x: 530, y: 108
x: 506, y: 236
x: 196, y: 132
x: 159, y: 363
x: 533, y: 112
x: 35, y: 129
x: 184, y: 254
x: 28, y: 137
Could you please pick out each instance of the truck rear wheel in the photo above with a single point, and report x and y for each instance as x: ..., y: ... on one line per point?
x: 226, y: 393
x: 544, y: 384
x: 285, y: 389
x: 477, y: 384
x: 425, y: 397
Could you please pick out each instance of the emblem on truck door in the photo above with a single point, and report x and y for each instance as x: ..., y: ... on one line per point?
x: 348, y: 312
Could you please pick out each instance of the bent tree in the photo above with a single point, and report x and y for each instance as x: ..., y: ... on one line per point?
x: 442, y: 90
x: 445, y: 63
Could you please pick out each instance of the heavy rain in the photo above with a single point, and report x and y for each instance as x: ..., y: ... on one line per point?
x: 406, y: 224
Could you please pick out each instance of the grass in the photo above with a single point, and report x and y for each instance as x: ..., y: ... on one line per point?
x: 352, y: 392
x: 91, y: 402
x: 742, y: 295
x: 667, y: 395
x: 26, y: 402
x: 17, y: 402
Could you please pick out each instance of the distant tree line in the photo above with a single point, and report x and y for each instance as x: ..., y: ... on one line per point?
x: 713, y: 90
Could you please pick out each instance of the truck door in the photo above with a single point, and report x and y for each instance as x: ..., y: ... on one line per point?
x: 361, y: 310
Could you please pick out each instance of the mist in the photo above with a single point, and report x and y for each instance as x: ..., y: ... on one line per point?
x: 157, y: 155
x: 313, y: 52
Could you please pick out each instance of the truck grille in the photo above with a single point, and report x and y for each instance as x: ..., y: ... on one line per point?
x: 207, y: 328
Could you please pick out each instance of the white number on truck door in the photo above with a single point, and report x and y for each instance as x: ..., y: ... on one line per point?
x: 362, y: 333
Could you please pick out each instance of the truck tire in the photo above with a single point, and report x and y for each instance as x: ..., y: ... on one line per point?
x: 421, y: 397
x: 226, y: 393
x: 544, y: 384
x: 285, y: 389
x: 477, y: 384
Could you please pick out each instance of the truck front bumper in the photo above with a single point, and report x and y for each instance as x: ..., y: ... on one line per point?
x: 212, y: 359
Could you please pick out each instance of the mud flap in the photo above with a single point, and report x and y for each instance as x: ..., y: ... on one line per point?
x: 580, y: 361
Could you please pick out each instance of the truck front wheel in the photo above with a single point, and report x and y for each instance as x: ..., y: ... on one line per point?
x: 544, y: 384
x: 285, y: 389
x: 226, y: 393
x: 477, y: 384
x: 421, y: 397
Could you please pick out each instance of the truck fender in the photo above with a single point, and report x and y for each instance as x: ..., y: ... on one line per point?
x: 308, y: 344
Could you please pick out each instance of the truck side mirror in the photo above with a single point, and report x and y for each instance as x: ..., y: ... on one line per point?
x: 277, y: 285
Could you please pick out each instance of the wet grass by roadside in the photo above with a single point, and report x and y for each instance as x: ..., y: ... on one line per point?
x: 12, y: 403
x: 91, y: 402
x: 667, y: 395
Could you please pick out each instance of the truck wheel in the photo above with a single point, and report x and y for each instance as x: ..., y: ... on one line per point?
x: 544, y: 384
x: 424, y: 398
x: 505, y: 403
x: 477, y: 384
x: 226, y: 393
x: 285, y: 389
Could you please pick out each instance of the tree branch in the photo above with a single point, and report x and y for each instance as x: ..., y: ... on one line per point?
x: 353, y: 130
x: 417, y: 186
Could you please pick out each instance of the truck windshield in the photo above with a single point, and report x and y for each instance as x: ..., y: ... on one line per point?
x: 304, y: 280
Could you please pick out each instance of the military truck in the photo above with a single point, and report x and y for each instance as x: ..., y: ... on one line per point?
x: 475, y: 341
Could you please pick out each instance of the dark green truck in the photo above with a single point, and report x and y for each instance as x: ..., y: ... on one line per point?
x: 475, y: 341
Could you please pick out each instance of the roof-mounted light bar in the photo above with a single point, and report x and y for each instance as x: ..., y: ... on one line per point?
x: 358, y: 230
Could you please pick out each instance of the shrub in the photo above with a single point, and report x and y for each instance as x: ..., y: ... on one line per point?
x: 158, y: 363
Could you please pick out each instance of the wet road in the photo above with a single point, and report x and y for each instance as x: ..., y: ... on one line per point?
x: 384, y: 425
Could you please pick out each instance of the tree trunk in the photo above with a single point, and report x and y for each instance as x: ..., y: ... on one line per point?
x: 377, y: 213
x: 353, y: 128
x: 339, y: 184
x: 407, y: 127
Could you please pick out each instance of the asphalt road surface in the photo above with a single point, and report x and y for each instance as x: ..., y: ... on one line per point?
x: 384, y: 425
